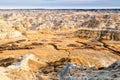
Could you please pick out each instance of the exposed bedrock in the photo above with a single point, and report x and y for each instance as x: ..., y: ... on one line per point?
x: 94, y: 34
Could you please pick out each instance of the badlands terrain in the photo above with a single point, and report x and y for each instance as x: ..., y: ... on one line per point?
x: 60, y: 44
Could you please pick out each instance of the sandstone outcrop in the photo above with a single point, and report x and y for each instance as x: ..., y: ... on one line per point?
x: 96, y: 34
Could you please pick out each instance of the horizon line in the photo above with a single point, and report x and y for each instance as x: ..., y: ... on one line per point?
x: 27, y: 7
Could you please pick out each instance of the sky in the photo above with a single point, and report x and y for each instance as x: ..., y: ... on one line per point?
x: 72, y: 4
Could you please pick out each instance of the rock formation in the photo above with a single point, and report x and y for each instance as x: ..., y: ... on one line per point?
x: 96, y: 34
x: 21, y: 70
x: 59, y: 44
x: 57, y: 20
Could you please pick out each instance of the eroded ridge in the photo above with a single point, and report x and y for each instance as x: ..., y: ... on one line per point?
x: 59, y: 44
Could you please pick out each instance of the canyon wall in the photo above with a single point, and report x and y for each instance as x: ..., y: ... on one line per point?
x: 96, y: 34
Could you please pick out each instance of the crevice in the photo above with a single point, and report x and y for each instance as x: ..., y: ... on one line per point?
x: 7, y: 61
x: 110, y: 49
x: 56, y: 48
x: 85, y: 45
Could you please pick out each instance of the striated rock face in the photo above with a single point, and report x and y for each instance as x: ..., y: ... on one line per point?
x: 96, y: 34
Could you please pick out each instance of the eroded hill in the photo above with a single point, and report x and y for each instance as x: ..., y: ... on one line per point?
x: 58, y: 45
